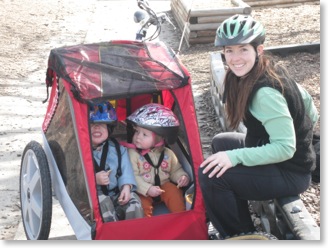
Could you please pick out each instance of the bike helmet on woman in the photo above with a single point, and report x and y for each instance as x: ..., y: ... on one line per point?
x: 158, y: 119
x: 239, y: 29
x: 103, y: 113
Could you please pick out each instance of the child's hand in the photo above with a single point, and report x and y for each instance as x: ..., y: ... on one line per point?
x: 102, y: 177
x: 154, y: 191
x: 183, y: 181
x: 125, y: 195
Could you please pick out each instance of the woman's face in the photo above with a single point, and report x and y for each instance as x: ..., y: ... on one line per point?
x: 241, y: 58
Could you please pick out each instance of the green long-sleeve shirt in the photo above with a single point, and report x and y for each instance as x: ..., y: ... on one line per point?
x: 270, y: 107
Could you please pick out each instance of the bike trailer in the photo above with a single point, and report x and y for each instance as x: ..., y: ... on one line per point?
x: 129, y: 74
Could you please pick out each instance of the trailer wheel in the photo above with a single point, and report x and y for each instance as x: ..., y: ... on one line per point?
x: 254, y: 236
x: 35, y: 192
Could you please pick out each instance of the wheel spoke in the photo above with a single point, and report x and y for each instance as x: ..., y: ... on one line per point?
x: 35, y: 185
x: 34, y: 223
x: 25, y: 204
x: 36, y: 205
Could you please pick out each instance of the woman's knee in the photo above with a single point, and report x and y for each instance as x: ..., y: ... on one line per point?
x: 227, y: 141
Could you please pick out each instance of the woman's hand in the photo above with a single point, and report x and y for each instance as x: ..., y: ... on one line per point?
x: 219, y: 161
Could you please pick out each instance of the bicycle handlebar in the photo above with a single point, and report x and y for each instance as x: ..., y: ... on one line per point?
x: 153, y: 18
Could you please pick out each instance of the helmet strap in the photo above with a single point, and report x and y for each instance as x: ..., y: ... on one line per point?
x: 99, y: 145
x: 255, y: 45
x: 143, y: 152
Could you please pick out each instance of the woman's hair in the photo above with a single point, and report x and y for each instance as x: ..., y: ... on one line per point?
x: 238, y: 89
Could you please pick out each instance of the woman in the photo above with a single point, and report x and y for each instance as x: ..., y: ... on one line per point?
x: 275, y: 157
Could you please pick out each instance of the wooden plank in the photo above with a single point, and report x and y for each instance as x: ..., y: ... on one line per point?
x: 285, y: 1
x: 177, y: 6
x: 187, y: 5
x: 192, y: 35
x: 181, y: 23
x: 205, y: 33
x: 213, y: 12
x: 178, y: 13
x: 242, y: 4
x: 206, y: 26
x: 298, y: 218
x: 201, y: 40
x: 211, y: 19
x: 248, y: 1
x: 292, y: 5
x: 206, y: 4
x: 274, y: 2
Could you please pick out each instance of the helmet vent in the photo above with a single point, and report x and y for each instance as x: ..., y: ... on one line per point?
x: 242, y: 24
x: 100, y: 108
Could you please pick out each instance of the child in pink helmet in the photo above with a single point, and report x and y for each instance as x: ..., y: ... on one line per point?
x: 158, y: 173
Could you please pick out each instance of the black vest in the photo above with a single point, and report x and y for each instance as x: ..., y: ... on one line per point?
x: 304, y: 157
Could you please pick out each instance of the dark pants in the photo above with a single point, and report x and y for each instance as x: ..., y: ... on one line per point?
x: 226, y: 198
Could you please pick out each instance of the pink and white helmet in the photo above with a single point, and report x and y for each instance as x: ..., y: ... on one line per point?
x: 158, y: 119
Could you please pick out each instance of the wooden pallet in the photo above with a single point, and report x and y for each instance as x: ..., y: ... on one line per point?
x: 199, y: 19
x: 278, y: 3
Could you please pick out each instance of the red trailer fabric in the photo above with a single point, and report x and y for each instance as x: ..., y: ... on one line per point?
x: 89, y: 83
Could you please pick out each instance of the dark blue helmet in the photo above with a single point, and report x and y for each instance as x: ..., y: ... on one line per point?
x: 103, y: 113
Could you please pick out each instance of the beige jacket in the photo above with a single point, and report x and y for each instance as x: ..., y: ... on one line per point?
x: 169, y: 170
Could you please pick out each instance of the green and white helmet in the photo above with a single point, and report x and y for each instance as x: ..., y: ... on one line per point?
x: 239, y: 29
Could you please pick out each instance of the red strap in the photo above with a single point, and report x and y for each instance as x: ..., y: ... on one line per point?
x: 144, y: 151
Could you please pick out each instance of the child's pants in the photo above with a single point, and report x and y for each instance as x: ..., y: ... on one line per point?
x: 113, y: 211
x: 172, y: 197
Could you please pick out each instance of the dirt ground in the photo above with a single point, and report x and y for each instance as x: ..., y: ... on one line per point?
x: 30, y: 30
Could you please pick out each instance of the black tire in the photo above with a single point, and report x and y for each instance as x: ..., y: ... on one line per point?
x: 254, y: 236
x: 35, y: 192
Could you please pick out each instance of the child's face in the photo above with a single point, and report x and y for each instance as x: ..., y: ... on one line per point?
x: 99, y: 133
x: 143, y: 138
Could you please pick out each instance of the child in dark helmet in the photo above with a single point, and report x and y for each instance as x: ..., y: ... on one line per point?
x: 275, y: 157
x: 158, y: 173
x: 114, y: 176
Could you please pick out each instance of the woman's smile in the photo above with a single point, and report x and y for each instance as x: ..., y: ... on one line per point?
x: 238, y: 65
